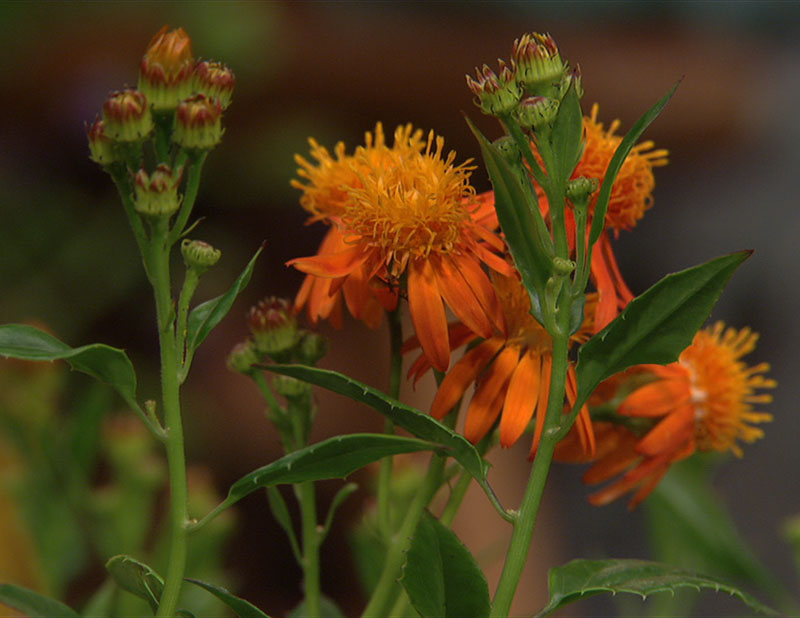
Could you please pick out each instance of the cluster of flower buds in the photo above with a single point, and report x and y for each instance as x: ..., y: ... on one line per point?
x: 530, y: 87
x: 175, y: 94
x: 275, y: 335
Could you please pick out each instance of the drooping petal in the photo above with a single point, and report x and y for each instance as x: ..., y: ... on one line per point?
x: 541, y: 407
x: 427, y: 313
x: 656, y: 398
x: 521, y: 398
x: 482, y: 288
x: 668, y: 436
x: 338, y: 264
x: 583, y: 422
x: 459, y: 295
x: 483, y: 408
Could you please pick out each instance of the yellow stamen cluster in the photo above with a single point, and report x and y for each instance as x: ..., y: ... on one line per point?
x: 723, y: 388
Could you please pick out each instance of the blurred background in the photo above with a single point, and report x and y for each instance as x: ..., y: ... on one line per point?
x: 331, y: 70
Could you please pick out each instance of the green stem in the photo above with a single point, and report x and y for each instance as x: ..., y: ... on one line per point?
x: 456, y: 498
x: 395, y: 379
x: 311, y: 538
x: 526, y: 518
x: 189, y: 196
x: 187, y: 291
x: 385, y: 589
x: 121, y: 178
x: 176, y: 459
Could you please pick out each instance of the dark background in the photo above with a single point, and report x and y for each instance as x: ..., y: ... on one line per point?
x: 331, y: 70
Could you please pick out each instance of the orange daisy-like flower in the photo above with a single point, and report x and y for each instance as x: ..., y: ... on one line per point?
x: 511, y: 373
x: 404, y: 211
x: 701, y: 403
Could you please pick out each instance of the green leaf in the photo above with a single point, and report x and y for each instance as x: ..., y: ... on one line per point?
x: 281, y: 514
x: 583, y: 578
x: 416, y: 422
x: 567, y: 136
x: 242, y: 608
x: 207, y: 315
x: 137, y: 578
x: 335, y: 457
x: 441, y: 577
x: 532, y: 258
x: 656, y: 326
x: 107, y: 364
x: 34, y: 604
x: 615, y: 165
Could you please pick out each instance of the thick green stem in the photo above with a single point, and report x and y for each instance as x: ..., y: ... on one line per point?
x: 526, y: 518
x: 176, y: 459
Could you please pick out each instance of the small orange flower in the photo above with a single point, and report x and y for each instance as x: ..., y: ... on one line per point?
x: 511, y: 372
x: 402, y: 211
x: 701, y: 403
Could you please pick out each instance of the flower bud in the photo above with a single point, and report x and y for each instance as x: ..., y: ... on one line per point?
x: 214, y: 80
x: 165, y: 74
x: 496, y: 94
x: 579, y: 189
x: 274, y: 326
x: 539, y: 65
x: 290, y: 387
x: 562, y: 266
x: 199, y: 123
x: 101, y: 148
x: 157, y: 194
x: 312, y: 348
x: 199, y: 255
x: 573, y: 77
x: 537, y: 113
x: 243, y: 356
x: 508, y: 148
x: 126, y: 116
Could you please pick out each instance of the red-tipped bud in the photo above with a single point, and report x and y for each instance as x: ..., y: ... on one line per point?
x: 101, y: 148
x: 214, y: 80
x: 539, y: 65
x: 495, y: 94
x: 274, y: 326
x: 537, y: 113
x: 165, y: 74
x: 157, y: 193
x: 126, y: 116
x: 199, y: 123
x: 573, y: 78
x: 199, y: 255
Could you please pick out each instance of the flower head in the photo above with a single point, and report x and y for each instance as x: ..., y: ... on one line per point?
x: 165, y: 74
x: 539, y: 65
x: 406, y: 210
x: 198, y: 124
x: 157, y: 193
x: 101, y: 148
x: 126, y: 116
x: 701, y: 403
x: 214, y: 80
x: 495, y: 93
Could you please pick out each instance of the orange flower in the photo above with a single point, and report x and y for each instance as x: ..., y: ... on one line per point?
x: 512, y: 374
x: 405, y: 211
x: 701, y: 403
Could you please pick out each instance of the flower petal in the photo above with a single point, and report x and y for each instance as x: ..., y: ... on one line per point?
x: 521, y: 398
x: 459, y: 295
x: 338, y: 264
x: 427, y: 313
x: 484, y: 408
x: 541, y: 407
x: 668, y: 436
x: 656, y: 398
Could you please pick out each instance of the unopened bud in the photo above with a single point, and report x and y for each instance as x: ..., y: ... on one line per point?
x: 242, y: 357
x: 563, y: 266
x: 508, y: 148
x: 126, y: 116
x: 290, y: 387
x: 157, y: 193
x: 101, y: 148
x: 199, y: 123
x: 165, y: 74
x: 214, y: 80
x: 496, y: 95
x: 274, y: 326
x: 539, y: 65
x: 579, y: 189
x: 573, y: 78
x: 199, y: 255
x: 537, y: 113
x: 312, y: 348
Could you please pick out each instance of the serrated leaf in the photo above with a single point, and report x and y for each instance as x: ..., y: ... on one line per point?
x: 242, y: 608
x: 336, y: 457
x: 416, y: 422
x: 107, y: 364
x: 566, y: 137
x: 34, y: 604
x: 615, y: 165
x: 583, y: 578
x: 137, y: 578
x: 441, y: 577
x: 656, y: 326
x: 207, y: 315
x: 532, y: 258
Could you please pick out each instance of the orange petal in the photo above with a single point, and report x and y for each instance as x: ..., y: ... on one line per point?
x: 624, y: 294
x: 427, y: 313
x: 641, y: 472
x: 337, y: 264
x: 459, y: 296
x: 493, y: 261
x: 483, y: 408
x: 463, y: 373
x: 521, y: 398
x: 584, y: 421
x: 669, y: 435
x: 544, y: 396
x: 656, y: 398
x: 483, y: 289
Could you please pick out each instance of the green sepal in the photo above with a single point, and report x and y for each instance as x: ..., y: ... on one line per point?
x: 441, y: 577
x: 656, y: 326
x: 137, y: 578
x: 241, y: 607
x: 34, y: 604
x: 580, y: 579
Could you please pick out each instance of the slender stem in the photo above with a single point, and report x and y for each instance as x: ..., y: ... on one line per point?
x: 189, y: 196
x: 121, y: 179
x: 526, y: 519
x: 311, y: 538
x: 456, y: 498
x: 176, y: 459
x: 395, y: 379
x: 384, y: 591
x: 266, y: 392
x: 187, y: 291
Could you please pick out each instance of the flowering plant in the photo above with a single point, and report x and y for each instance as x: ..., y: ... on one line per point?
x: 554, y: 343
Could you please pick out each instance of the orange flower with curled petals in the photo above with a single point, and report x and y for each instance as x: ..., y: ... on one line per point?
x: 701, y: 403
x: 408, y: 214
x: 511, y: 374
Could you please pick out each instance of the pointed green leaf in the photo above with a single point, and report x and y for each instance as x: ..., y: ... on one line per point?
x: 137, y: 578
x: 281, y: 514
x: 656, y: 326
x: 615, y: 165
x: 207, y: 315
x: 335, y: 457
x: 242, y: 608
x: 34, y: 604
x: 567, y: 136
x: 416, y: 422
x: 532, y: 258
x: 441, y: 577
x: 583, y: 578
x: 107, y: 364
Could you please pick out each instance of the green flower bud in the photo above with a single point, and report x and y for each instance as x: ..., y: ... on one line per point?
x: 198, y: 125
x: 496, y: 95
x: 274, y: 327
x: 101, y: 148
x: 312, y: 348
x: 539, y: 65
x: 165, y: 74
x: 127, y: 117
x: 157, y: 194
x: 508, y: 148
x: 537, y: 113
x: 214, y: 80
x: 199, y: 255
x: 242, y: 357
x: 290, y: 387
x: 579, y: 189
